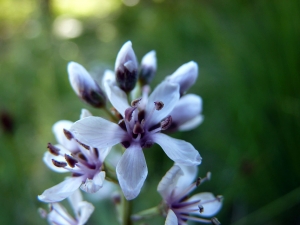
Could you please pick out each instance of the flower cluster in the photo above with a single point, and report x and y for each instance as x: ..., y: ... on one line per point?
x: 138, y: 118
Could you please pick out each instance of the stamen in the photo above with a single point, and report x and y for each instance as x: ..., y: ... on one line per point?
x: 159, y: 105
x: 125, y: 144
x: 68, y: 134
x: 198, y: 181
x: 83, y: 145
x: 59, y: 164
x: 135, y: 102
x: 147, y: 144
x: 201, y: 209
x: 122, y: 124
x: 52, y: 149
x: 215, y: 221
x: 96, y: 152
x: 81, y: 156
x: 128, y: 113
x: 138, y: 129
x: 219, y: 198
x: 70, y: 160
x: 196, y: 219
x: 166, y: 123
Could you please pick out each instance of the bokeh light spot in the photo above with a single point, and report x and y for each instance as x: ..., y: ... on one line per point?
x: 66, y: 27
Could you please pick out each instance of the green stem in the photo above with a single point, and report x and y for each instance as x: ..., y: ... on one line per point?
x: 126, y: 213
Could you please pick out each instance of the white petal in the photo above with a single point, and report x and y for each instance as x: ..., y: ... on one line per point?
x: 149, y: 60
x: 117, y: 98
x: 171, y: 218
x: 212, y: 206
x: 74, y: 201
x: 85, y: 211
x: 97, y: 132
x: 61, y: 191
x: 132, y: 171
x: 106, y: 192
x: 93, y: 185
x: 179, y: 151
x: 189, y: 176
x: 85, y: 113
x: 185, y: 76
x: 48, y: 161
x: 187, y: 108
x: 58, y: 130
x: 191, y: 124
x: 126, y: 54
x: 169, y: 182
x: 59, y: 215
x: 167, y: 93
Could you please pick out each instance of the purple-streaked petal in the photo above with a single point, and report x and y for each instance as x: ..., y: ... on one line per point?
x: 187, y: 108
x: 58, y: 131
x: 169, y: 182
x: 179, y: 151
x: 132, y: 171
x: 171, y: 218
x: 168, y: 94
x: 61, y: 191
x: 93, y: 185
x: 126, y: 54
x: 97, y: 132
x: 191, y: 124
x: 210, y: 203
x: 85, y: 211
x: 85, y: 113
x: 117, y: 98
x: 185, y: 76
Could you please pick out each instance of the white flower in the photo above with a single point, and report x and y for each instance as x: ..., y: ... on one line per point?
x: 175, y: 187
x: 83, y: 162
x: 139, y: 129
x: 59, y: 216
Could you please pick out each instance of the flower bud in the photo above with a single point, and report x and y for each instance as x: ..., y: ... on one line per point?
x: 85, y: 86
x: 148, y: 68
x: 126, y: 68
x: 185, y: 76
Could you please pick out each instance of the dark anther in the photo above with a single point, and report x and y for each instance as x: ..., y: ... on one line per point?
x: 201, y: 209
x: 128, y: 113
x: 166, y: 123
x: 141, y: 116
x: 59, y: 164
x: 83, y: 145
x: 135, y: 102
x: 215, y: 221
x: 76, y: 174
x: 159, y: 105
x: 52, y: 149
x: 122, y: 125
x: 96, y: 152
x: 138, y: 129
x: 68, y: 134
x: 198, y: 181
x: 70, y: 160
x: 219, y: 198
x: 81, y: 156
x: 125, y: 144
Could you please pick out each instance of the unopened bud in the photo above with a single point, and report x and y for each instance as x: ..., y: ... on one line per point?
x: 85, y: 86
x: 185, y: 76
x: 148, y: 68
x: 126, y: 68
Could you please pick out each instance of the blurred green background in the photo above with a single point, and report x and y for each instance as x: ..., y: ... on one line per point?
x: 249, y: 58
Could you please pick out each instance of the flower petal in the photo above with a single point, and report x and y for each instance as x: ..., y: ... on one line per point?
x: 187, y: 108
x: 85, y: 113
x: 210, y: 203
x: 179, y: 151
x: 191, y: 124
x: 185, y: 76
x: 117, y: 98
x: 188, y: 177
x: 132, y: 171
x: 93, y: 185
x: 61, y: 191
x: 48, y: 161
x: 171, y: 218
x: 74, y: 201
x: 168, y: 93
x: 58, y: 130
x: 97, y: 132
x: 59, y: 215
x: 169, y: 182
x: 85, y: 211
